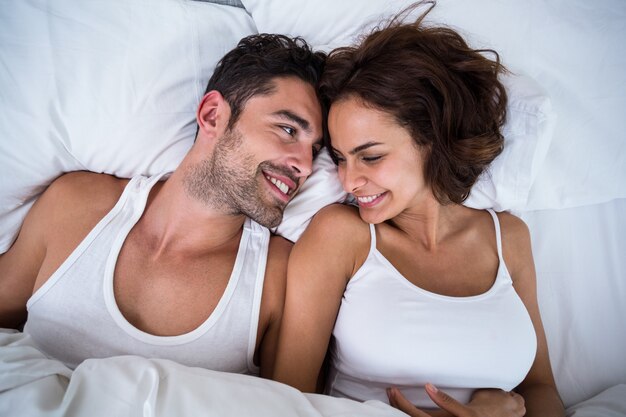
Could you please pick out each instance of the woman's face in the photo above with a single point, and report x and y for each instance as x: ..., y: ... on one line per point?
x: 378, y: 161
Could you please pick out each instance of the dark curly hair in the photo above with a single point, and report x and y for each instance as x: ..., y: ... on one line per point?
x: 250, y: 68
x: 444, y: 93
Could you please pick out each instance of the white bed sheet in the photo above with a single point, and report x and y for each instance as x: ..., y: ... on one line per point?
x: 609, y: 403
x: 35, y: 386
x: 574, y: 50
x: 581, y: 279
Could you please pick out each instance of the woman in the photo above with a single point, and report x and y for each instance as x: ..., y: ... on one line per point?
x: 415, y: 288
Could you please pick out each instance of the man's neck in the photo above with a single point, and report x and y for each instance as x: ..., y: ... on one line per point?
x: 176, y: 224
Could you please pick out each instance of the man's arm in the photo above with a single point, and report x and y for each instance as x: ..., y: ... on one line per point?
x: 20, y: 265
x: 63, y: 215
x: 272, y: 303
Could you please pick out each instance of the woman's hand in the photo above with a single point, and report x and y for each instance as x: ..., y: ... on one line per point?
x: 484, y: 403
x: 496, y: 402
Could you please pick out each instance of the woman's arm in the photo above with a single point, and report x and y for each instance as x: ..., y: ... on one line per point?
x: 538, y: 388
x: 327, y: 254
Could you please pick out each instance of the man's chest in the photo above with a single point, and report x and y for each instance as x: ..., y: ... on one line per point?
x: 169, y: 296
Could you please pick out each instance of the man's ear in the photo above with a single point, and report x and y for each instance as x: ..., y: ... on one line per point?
x: 213, y: 114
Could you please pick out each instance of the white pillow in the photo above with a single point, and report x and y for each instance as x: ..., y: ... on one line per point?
x: 568, y: 51
x: 530, y: 120
x: 528, y: 129
x: 320, y: 189
x: 323, y: 23
x: 578, y: 255
x: 111, y: 88
x: 572, y: 54
x: 102, y: 86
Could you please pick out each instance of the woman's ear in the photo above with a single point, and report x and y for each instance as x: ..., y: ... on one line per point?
x: 213, y: 114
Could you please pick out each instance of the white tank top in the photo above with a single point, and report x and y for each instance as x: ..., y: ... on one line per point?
x: 391, y: 333
x: 74, y: 315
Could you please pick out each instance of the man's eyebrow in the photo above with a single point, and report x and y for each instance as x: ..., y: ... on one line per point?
x: 303, y: 123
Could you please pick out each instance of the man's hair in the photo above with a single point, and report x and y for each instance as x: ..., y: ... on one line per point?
x: 446, y: 94
x: 250, y: 68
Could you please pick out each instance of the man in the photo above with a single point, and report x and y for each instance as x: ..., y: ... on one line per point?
x: 183, y: 269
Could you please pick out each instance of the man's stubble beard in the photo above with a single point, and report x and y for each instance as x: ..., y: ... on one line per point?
x: 228, y: 181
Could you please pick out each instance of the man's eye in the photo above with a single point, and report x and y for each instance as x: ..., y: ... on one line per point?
x: 290, y: 130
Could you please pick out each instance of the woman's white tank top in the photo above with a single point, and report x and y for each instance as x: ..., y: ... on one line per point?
x: 391, y: 333
x: 74, y: 315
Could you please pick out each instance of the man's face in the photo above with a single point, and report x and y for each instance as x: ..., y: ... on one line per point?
x: 259, y: 164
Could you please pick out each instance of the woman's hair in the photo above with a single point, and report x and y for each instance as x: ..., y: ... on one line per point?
x: 444, y: 93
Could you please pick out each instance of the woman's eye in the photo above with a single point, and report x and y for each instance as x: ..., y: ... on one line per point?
x: 337, y: 159
x: 371, y: 158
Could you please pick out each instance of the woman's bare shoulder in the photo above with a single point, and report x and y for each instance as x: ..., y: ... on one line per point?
x: 338, y: 230
x: 516, y: 244
x: 339, y: 221
x: 513, y: 228
x: 339, y: 214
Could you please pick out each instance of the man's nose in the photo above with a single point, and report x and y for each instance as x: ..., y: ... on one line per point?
x: 301, y: 160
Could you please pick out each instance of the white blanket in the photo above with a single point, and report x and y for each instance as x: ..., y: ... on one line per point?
x: 33, y: 385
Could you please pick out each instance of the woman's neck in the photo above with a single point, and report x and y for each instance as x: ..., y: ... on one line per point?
x: 427, y: 223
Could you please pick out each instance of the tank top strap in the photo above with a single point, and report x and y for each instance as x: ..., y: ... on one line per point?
x: 496, y: 223
x: 372, y: 239
x: 146, y: 183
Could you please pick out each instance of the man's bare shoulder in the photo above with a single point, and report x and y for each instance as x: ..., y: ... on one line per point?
x: 279, y: 248
x: 60, y: 218
x: 77, y: 198
x: 277, y: 259
x: 84, y: 191
x: 274, y: 284
x: 86, y: 187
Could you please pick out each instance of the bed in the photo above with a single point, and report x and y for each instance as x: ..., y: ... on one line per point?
x: 112, y: 86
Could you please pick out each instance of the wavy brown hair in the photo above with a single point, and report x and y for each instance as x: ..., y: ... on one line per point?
x: 446, y: 94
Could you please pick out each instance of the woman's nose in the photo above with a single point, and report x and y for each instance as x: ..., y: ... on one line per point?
x: 351, y: 179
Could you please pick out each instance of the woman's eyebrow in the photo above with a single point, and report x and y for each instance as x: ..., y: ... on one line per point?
x: 363, y: 147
